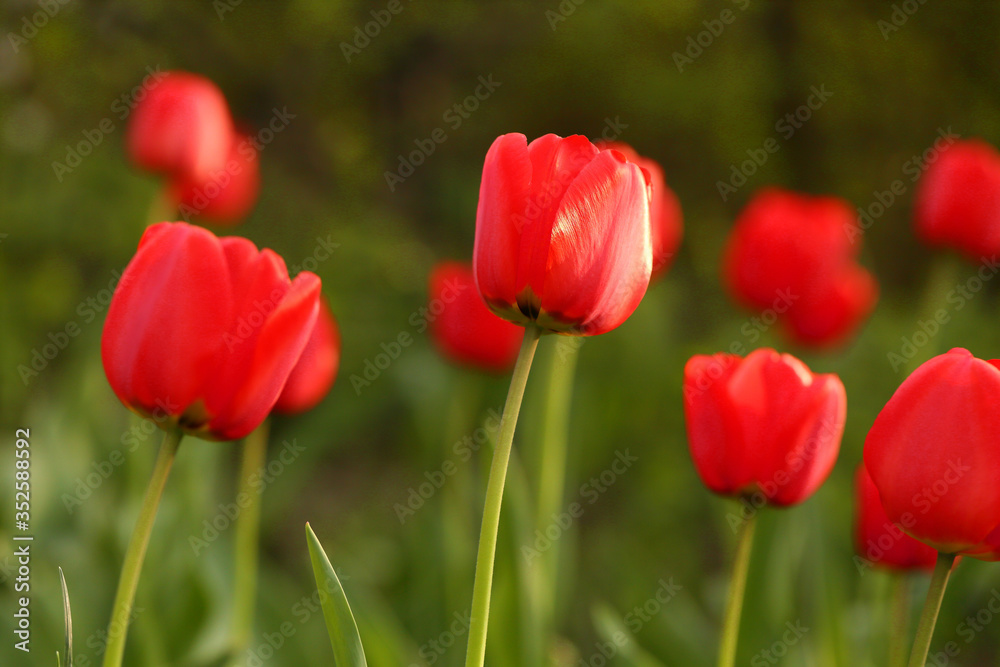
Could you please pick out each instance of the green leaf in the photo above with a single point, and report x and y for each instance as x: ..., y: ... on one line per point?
x: 347, y: 649
x: 68, y: 619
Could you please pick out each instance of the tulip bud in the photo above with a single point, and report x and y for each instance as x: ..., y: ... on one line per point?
x: 762, y: 425
x: 202, y: 332
x: 932, y: 454
x: 228, y: 194
x: 463, y: 328
x: 562, y: 234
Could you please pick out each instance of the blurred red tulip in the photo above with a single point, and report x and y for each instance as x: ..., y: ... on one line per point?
x: 664, y: 209
x: 933, y: 455
x: 313, y: 375
x: 958, y: 200
x: 202, y: 333
x: 463, y: 328
x: 795, y: 254
x: 879, y: 540
x: 762, y: 425
x: 228, y: 195
x: 562, y: 234
x: 182, y: 127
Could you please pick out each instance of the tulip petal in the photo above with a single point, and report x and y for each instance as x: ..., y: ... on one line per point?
x: 600, y: 257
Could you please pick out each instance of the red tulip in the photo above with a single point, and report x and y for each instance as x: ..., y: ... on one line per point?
x: 879, y: 540
x: 227, y: 196
x: 182, y: 127
x: 796, y: 254
x: 932, y: 453
x: 562, y: 234
x: 463, y: 328
x: 765, y: 424
x: 958, y: 200
x: 316, y: 369
x: 202, y: 332
x: 664, y: 209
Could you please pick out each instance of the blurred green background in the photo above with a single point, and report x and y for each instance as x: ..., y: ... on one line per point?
x: 562, y: 68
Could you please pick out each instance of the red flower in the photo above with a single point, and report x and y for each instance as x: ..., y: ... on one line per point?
x: 958, y: 200
x: 933, y: 455
x: 879, y: 540
x: 228, y: 194
x: 762, y: 424
x: 562, y: 234
x: 182, y: 127
x: 796, y: 255
x: 664, y: 209
x: 203, y: 332
x: 316, y: 369
x: 463, y: 328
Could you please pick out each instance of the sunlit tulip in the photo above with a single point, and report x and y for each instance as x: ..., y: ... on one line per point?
x: 562, y: 234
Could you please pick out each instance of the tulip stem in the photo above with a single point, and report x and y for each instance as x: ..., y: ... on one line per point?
x: 483, y: 583
x: 928, y: 617
x: 247, y: 539
x: 737, y: 587
x: 128, y: 582
x: 552, y: 468
x: 899, y: 619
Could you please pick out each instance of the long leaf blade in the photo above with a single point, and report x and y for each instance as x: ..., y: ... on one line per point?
x: 68, y: 620
x: 340, y: 624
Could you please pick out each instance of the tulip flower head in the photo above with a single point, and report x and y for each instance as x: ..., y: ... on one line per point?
x: 665, y: 214
x: 463, y: 328
x: 932, y: 454
x: 311, y: 379
x: 762, y: 425
x: 958, y: 200
x: 182, y: 127
x: 227, y: 195
x: 795, y: 257
x: 879, y: 541
x: 202, y: 332
x: 562, y: 234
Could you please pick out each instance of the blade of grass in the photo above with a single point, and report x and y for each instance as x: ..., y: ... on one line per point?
x: 68, y: 620
x: 343, y: 630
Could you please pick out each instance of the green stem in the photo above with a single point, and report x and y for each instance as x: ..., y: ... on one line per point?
x: 247, y: 540
x: 737, y: 587
x: 899, y: 619
x: 552, y: 468
x: 135, y: 553
x: 928, y: 617
x: 476, y: 655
